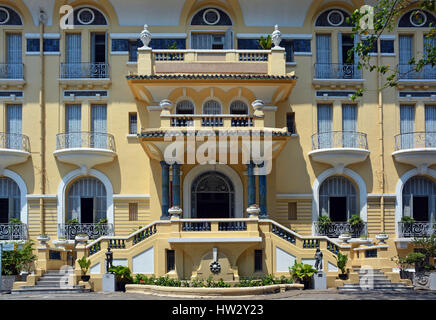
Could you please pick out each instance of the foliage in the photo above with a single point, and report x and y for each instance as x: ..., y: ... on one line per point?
x: 73, y: 221
x: 173, y: 46
x: 415, y: 257
x: 407, y: 219
x: 427, y: 245
x: 15, y: 221
x: 122, y: 274
x: 302, y: 272
x: 324, y: 221
x: 401, y: 262
x: 102, y: 221
x: 386, y: 14
x: 265, y: 43
x: 341, y: 260
x: 84, y: 264
x: 355, y: 220
x: 20, y: 259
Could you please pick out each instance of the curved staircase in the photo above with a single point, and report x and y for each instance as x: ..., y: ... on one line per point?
x: 53, y: 281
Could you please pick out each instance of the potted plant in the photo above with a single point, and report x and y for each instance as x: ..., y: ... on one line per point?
x: 342, y: 260
x: 356, y: 223
x: 402, y: 264
x: 324, y: 222
x: 84, y: 266
x: 15, y: 221
x: 123, y: 276
x: 428, y: 246
x: 265, y: 43
x: 27, y: 260
x: 302, y: 273
x: 73, y: 221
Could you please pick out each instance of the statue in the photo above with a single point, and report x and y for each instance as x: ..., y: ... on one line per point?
x: 276, y: 37
x: 109, y: 259
x: 318, y: 259
x: 145, y: 37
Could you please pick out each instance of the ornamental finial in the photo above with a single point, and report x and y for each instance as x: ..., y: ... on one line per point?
x: 145, y: 37
x: 276, y: 36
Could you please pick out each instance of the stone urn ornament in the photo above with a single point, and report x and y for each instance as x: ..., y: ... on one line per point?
x: 253, y: 211
x: 382, y: 237
x: 145, y: 37
x: 276, y: 37
x: 43, y: 239
x: 345, y: 237
x: 175, y: 212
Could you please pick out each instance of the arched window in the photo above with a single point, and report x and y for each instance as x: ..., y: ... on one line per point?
x: 212, y: 107
x: 185, y: 107
x: 337, y: 199
x: 86, y: 16
x: 213, y: 196
x: 238, y: 107
x: 9, y: 17
x: 211, y: 17
x: 419, y: 198
x: 9, y: 200
x: 417, y: 19
x: 86, y: 200
x: 333, y: 18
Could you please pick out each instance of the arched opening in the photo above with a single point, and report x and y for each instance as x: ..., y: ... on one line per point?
x: 337, y: 199
x: 238, y: 107
x: 86, y: 201
x: 419, y: 199
x: 212, y: 196
x: 212, y: 107
x: 10, y: 197
x: 185, y: 107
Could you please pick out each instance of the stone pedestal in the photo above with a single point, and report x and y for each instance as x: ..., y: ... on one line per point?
x: 108, y: 282
x: 320, y: 281
x: 432, y: 281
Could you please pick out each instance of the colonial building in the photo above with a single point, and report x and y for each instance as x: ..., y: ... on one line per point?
x: 92, y: 102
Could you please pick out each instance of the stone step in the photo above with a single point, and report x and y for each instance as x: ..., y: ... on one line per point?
x: 375, y: 287
x: 48, y: 290
x: 363, y: 290
x: 50, y: 284
x: 51, y: 278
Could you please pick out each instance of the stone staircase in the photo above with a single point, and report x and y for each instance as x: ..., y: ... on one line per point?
x: 373, y: 279
x: 53, y: 281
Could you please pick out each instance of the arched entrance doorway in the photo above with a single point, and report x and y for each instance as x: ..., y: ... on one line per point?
x: 213, y: 196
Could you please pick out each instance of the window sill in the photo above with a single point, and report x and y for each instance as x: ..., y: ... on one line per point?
x: 120, y: 53
x: 292, y: 64
x: 133, y: 63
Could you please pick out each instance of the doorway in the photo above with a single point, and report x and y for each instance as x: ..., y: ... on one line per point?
x: 87, y: 210
x: 213, y: 205
x: 420, y: 208
x: 4, y: 210
x: 98, y: 47
x: 347, y: 45
x: 338, y: 209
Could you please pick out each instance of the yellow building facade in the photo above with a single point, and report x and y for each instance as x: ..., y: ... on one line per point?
x: 90, y: 113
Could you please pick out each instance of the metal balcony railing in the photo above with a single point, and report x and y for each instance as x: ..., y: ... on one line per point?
x: 337, y: 71
x: 84, y: 70
x: 11, y: 71
x: 13, y: 231
x: 335, y: 229
x: 413, y: 140
x: 339, y: 139
x: 97, y: 140
x: 93, y: 230
x: 14, y: 141
x: 409, y: 72
x: 416, y: 229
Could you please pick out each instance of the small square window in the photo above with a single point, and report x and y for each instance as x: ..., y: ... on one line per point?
x: 32, y: 45
x: 133, y: 212
x: 292, y: 211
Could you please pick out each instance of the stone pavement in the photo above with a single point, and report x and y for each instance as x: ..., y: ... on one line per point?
x: 330, y: 294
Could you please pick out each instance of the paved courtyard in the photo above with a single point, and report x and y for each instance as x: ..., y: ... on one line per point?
x: 288, y: 295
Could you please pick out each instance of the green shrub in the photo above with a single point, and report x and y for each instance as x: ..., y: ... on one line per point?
x: 355, y: 220
x: 324, y: 221
x: 265, y: 43
x: 341, y: 260
x: 20, y: 259
x: 15, y: 221
x: 407, y: 219
x: 122, y: 273
x: 84, y: 264
x: 302, y: 272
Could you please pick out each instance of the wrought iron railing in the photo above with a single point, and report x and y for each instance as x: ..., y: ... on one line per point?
x: 416, y: 229
x: 11, y: 71
x: 414, y: 140
x: 93, y: 230
x: 84, y: 70
x: 337, y: 71
x: 97, y: 140
x: 14, y: 141
x: 335, y: 229
x: 339, y: 139
x: 409, y: 72
x: 13, y: 231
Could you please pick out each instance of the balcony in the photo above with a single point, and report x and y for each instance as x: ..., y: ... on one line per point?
x: 416, y: 229
x: 13, y: 231
x: 339, y: 148
x: 407, y: 72
x: 14, y: 149
x: 335, y: 229
x: 332, y: 74
x: 85, y: 149
x: 94, y: 74
x: 93, y: 230
x: 11, y: 71
x: 210, y: 120
x: 416, y: 148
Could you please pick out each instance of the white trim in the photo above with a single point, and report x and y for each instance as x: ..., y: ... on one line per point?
x: 122, y: 36
x: 302, y: 53
x: 32, y: 53
x: 153, y: 36
x: 300, y: 36
x: 52, y: 53
x: 131, y: 197
x: 371, y: 247
x: 270, y: 108
x: 349, y: 173
x: 219, y: 240
x: 224, y: 169
x: 294, y: 196
x: 46, y: 35
x: 23, y: 192
x: 378, y: 195
x: 131, y: 63
x: 43, y: 196
x: 119, y: 53
x: 399, y: 191
x: 67, y: 179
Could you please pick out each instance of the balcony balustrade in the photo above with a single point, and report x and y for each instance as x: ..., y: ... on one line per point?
x: 416, y: 148
x: 13, y: 71
x: 219, y: 120
x: 409, y: 72
x: 14, y: 141
x: 84, y: 70
x: 338, y: 71
x: 416, y: 229
x: 93, y: 230
x: 339, y: 139
x: 335, y: 229
x: 13, y: 231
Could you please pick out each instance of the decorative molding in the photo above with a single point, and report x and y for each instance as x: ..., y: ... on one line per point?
x: 294, y: 196
x: 131, y: 197
x: 301, y: 36
x: 215, y: 240
x: 43, y: 196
